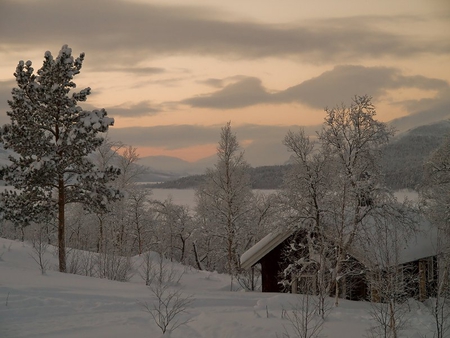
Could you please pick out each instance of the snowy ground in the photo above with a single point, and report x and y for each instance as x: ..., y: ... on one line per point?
x: 65, y: 305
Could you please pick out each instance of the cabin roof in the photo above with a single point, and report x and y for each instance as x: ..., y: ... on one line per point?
x: 420, y: 246
x: 263, y: 247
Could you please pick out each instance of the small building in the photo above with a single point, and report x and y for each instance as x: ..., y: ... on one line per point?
x: 419, y: 259
x: 268, y: 252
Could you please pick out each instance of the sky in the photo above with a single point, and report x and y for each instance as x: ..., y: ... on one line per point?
x: 172, y: 73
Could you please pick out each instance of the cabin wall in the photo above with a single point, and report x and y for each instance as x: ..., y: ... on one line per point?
x: 271, y: 269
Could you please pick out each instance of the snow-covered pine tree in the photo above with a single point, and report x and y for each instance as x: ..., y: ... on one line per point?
x: 53, y: 137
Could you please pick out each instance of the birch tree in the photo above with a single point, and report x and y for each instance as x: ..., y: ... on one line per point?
x: 305, y: 195
x: 354, y: 137
x: 435, y: 199
x: 224, y: 201
x: 335, y: 185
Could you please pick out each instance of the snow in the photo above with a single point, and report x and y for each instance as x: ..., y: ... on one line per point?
x: 262, y: 248
x: 422, y: 245
x: 67, y: 306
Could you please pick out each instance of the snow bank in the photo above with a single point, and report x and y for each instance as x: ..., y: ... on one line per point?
x: 68, y: 306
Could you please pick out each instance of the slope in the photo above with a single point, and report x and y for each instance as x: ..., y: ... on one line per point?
x: 67, y: 306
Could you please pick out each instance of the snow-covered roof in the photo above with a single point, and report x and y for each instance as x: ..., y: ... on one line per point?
x: 420, y: 246
x: 263, y: 247
x: 423, y: 245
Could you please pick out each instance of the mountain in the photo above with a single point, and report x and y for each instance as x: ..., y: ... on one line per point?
x: 265, y: 177
x: 402, y: 161
x: 274, y: 154
x: 176, y: 166
x: 404, y: 156
x: 165, y: 163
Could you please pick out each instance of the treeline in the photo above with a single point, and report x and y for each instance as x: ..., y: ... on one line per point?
x: 265, y: 177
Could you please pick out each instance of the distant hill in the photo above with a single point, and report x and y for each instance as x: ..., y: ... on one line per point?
x: 266, y: 177
x: 404, y: 156
x: 402, y: 162
x: 177, y: 166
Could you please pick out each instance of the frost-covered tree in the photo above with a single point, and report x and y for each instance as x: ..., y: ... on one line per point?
x: 174, y: 227
x: 354, y: 137
x: 224, y: 201
x: 305, y: 196
x: 435, y: 198
x: 53, y: 137
x: 335, y: 186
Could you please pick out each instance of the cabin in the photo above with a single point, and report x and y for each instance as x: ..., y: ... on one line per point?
x: 417, y: 264
x: 269, y: 253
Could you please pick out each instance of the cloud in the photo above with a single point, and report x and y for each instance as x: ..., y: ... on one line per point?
x: 344, y: 82
x: 216, y: 83
x: 328, y: 89
x: 169, y: 137
x: 5, y: 95
x: 118, y: 31
x: 243, y: 93
x: 131, y: 70
x: 424, y: 111
x: 184, y: 136
x: 143, y: 108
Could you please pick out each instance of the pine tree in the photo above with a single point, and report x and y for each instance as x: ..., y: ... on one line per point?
x: 53, y: 138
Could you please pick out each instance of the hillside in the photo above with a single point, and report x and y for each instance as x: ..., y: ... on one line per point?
x: 59, y: 305
x: 402, y: 162
x: 267, y: 177
x: 404, y: 156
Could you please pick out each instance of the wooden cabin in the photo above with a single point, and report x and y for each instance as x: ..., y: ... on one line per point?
x: 419, y: 260
x: 269, y: 252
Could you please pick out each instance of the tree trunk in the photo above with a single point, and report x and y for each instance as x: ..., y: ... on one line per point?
x: 337, y: 279
x: 183, y: 248
x: 100, y: 234
x: 61, y: 226
x: 392, y: 322
x: 199, y: 266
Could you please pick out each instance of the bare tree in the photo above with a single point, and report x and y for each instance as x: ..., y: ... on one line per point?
x: 435, y: 201
x: 390, y: 282
x: 105, y: 156
x: 174, y: 228
x: 354, y: 138
x: 39, y: 243
x: 440, y: 304
x: 333, y: 188
x: 304, y: 317
x: 224, y: 201
x: 140, y: 217
x: 169, y: 303
x: 305, y: 197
